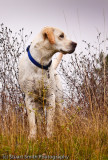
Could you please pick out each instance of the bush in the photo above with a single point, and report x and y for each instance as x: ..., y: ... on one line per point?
x: 83, y: 130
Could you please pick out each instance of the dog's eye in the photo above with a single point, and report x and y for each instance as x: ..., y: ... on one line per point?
x: 61, y: 35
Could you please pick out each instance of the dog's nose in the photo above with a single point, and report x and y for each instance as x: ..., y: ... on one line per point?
x: 73, y: 44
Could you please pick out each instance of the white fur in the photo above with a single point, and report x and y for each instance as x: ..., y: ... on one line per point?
x: 34, y: 80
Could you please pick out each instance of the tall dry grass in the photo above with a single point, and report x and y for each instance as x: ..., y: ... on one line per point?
x: 75, y: 136
x: 81, y: 132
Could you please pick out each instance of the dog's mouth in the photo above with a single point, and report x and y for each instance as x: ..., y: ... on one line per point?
x: 71, y: 50
x: 68, y: 52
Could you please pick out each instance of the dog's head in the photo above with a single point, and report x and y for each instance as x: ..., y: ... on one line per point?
x: 53, y: 39
x: 58, y: 40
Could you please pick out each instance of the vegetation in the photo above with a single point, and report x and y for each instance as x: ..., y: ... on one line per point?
x: 82, y: 130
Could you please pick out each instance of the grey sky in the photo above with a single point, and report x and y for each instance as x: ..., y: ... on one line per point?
x: 80, y: 19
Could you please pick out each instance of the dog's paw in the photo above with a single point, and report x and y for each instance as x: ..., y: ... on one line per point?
x: 49, y: 135
x: 32, y: 137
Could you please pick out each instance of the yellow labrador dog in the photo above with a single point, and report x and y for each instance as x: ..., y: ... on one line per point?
x: 38, y: 77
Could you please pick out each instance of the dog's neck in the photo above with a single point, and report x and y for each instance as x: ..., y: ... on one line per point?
x: 41, y: 55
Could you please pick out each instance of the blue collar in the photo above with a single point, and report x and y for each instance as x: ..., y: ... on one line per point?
x: 35, y: 62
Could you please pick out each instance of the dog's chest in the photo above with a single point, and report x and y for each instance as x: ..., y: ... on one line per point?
x: 43, y: 85
x: 44, y: 78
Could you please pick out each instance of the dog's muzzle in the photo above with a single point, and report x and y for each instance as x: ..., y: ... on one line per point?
x: 72, y: 48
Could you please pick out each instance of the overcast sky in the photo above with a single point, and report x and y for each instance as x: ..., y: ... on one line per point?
x: 79, y: 19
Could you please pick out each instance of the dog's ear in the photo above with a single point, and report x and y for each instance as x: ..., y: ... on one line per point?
x: 49, y: 33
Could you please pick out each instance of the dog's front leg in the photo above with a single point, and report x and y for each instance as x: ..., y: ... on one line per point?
x: 30, y: 104
x: 50, y: 114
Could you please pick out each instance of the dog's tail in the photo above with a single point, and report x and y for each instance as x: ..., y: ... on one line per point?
x: 57, y: 60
